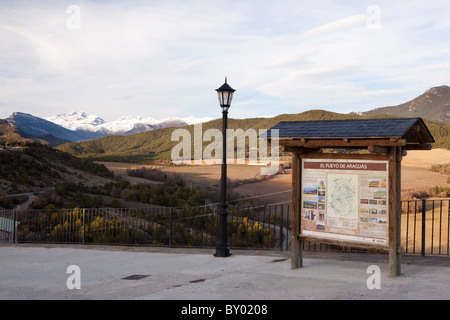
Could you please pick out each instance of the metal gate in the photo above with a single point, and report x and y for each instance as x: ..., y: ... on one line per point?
x: 8, y: 226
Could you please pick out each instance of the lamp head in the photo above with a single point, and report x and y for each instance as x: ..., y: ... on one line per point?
x: 225, y: 93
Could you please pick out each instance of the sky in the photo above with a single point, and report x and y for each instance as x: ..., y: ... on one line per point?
x: 163, y: 59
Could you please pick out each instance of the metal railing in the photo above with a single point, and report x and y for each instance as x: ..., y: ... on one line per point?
x: 425, y: 227
x: 250, y: 227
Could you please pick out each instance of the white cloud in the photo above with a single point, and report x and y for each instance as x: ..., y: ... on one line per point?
x: 354, y: 21
x: 164, y: 59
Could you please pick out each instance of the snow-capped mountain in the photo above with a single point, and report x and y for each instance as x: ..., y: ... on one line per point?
x: 77, y: 121
x: 93, y: 123
x: 39, y: 127
x: 77, y: 126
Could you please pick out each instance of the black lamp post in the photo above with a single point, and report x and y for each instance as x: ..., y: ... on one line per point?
x: 225, y: 93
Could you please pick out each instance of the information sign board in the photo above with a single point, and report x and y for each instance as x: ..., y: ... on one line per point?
x: 346, y: 200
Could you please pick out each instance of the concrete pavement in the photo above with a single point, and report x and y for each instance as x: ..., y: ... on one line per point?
x: 29, y: 272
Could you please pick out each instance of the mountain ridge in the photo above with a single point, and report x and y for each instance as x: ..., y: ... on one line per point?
x: 156, y: 146
x: 88, y: 122
x: 39, y: 127
x: 55, y: 134
x: 433, y: 104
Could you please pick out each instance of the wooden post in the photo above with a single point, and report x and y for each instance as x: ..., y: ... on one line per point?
x: 398, y: 175
x: 394, y: 211
x: 296, y: 244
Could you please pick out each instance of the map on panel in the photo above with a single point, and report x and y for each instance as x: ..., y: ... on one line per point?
x: 343, y: 196
x: 345, y: 200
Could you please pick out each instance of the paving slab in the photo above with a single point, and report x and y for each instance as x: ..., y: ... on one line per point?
x: 32, y: 272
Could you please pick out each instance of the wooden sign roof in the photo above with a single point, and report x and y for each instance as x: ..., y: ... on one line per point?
x: 410, y: 133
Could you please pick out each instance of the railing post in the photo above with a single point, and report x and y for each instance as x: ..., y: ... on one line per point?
x: 423, y: 226
x: 14, y: 236
x: 281, y: 228
x: 84, y: 224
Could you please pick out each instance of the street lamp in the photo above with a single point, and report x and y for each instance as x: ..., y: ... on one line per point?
x: 225, y: 93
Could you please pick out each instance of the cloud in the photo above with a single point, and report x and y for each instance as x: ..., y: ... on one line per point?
x: 164, y: 59
x: 338, y: 25
x: 46, y: 50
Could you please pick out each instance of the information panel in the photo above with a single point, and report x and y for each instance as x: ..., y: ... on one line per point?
x: 345, y: 200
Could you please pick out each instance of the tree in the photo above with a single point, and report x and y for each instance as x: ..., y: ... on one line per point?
x: 115, y: 203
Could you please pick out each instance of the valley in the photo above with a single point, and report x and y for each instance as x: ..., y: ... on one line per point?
x: 70, y: 165
x: 277, y: 189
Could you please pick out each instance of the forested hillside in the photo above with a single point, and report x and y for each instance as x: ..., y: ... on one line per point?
x: 152, y: 146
